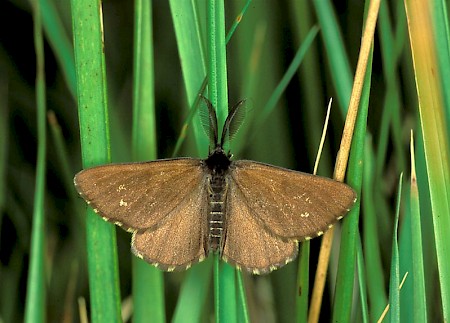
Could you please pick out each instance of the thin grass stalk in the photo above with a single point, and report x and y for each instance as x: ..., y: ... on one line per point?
x: 343, y: 155
x: 273, y: 100
x: 225, y: 290
x: 343, y: 295
x: 148, y: 284
x: 242, y: 310
x: 93, y: 119
x: 36, y: 289
x: 394, y: 289
x: 304, y: 248
x: 201, y: 91
x: 362, y: 282
x: 371, y: 242
x: 186, y: 20
x: 309, y: 74
x: 60, y: 42
x: 419, y: 295
x: 187, y: 23
x: 334, y: 45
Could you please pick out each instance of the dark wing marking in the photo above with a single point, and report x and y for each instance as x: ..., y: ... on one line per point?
x: 290, y: 204
x: 138, y: 196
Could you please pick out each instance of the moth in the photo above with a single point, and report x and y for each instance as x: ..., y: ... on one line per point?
x: 181, y: 210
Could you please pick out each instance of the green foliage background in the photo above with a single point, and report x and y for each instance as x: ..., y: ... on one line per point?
x: 283, y: 128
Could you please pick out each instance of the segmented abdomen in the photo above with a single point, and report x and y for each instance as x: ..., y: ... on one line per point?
x: 216, y: 212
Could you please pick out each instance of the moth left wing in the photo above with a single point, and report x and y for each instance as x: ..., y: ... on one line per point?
x: 138, y: 196
x: 291, y: 204
x: 178, y: 241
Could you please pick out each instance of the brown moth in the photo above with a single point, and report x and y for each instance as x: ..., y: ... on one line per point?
x: 181, y: 210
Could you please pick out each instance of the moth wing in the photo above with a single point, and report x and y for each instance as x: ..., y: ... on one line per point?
x: 138, y: 196
x: 291, y: 204
x: 248, y: 245
x: 177, y: 241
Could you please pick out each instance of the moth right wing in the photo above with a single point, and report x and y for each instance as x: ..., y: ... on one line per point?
x: 248, y: 244
x: 138, y: 196
x: 290, y: 204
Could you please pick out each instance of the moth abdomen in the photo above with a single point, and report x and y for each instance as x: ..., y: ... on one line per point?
x: 217, y: 187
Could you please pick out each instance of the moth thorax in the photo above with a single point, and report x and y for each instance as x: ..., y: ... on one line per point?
x: 217, y: 188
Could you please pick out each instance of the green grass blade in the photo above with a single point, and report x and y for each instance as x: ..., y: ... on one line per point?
x: 193, y: 293
x: 371, y: 242
x: 435, y: 134
x: 290, y: 72
x: 347, y: 256
x: 303, y: 282
x: 36, y: 290
x: 442, y: 32
x: 242, y: 310
x: 190, y: 47
x: 419, y: 305
x: 391, y: 105
x: 148, y: 284
x: 362, y: 282
x: 144, y: 123
x: 343, y: 297
x: 93, y: 116
x: 237, y: 21
x: 148, y: 293
x: 217, y: 65
x: 60, y: 42
x: 340, y: 68
x: 310, y: 83
x: 394, y: 284
x: 63, y: 156
x: 273, y: 100
x: 225, y: 283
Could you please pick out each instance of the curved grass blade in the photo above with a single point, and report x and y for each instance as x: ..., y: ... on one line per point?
x: 36, y: 292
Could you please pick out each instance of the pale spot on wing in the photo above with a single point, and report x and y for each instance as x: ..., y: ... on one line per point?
x: 307, y: 238
x: 304, y: 215
x: 330, y: 226
x: 340, y: 217
x: 319, y: 233
x: 95, y: 210
x: 106, y: 219
x: 121, y: 188
x: 123, y: 203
